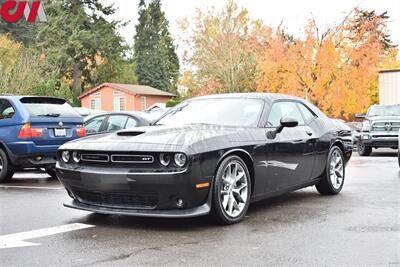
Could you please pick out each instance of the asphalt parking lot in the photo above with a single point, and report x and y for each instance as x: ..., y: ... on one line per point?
x: 359, y: 227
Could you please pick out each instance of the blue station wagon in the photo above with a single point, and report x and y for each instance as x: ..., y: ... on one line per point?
x: 31, y: 130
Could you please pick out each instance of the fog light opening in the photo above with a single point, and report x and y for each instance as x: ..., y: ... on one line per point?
x: 179, y: 203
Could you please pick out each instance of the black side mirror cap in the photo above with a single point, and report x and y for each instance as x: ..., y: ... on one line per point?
x: 285, y: 122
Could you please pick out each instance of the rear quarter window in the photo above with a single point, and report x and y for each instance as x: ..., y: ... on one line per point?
x: 48, y: 107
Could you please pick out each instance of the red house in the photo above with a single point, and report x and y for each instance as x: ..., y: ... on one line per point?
x: 123, y: 97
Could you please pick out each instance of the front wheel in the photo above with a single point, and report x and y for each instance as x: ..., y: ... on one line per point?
x: 398, y: 156
x: 332, y: 181
x: 363, y: 150
x: 231, y: 191
x: 6, y: 168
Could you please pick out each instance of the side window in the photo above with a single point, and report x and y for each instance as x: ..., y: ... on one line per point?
x: 93, y: 125
x: 307, y: 113
x: 131, y: 123
x: 281, y: 110
x: 115, y: 123
x: 6, y: 109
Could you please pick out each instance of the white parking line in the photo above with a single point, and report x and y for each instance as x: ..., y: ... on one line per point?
x: 17, y: 240
x: 30, y: 187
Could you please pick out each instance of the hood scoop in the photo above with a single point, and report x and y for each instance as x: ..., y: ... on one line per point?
x: 130, y: 133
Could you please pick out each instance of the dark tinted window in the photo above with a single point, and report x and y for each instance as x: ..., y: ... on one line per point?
x: 307, y: 114
x: 220, y: 111
x: 384, y: 111
x: 6, y: 109
x: 116, y: 122
x: 48, y: 107
x: 281, y: 110
x: 93, y: 125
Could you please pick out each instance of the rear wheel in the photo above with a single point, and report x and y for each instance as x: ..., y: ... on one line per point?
x: 6, y: 168
x: 364, y: 150
x: 231, y: 191
x: 331, y: 182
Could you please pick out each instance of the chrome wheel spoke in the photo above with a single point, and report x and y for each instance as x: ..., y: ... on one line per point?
x: 234, y: 189
x: 336, y: 170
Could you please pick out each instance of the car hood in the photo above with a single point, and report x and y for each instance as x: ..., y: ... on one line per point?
x: 166, y: 138
x: 383, y: 118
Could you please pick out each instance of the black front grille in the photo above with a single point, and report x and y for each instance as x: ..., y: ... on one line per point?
x: 142, y: 200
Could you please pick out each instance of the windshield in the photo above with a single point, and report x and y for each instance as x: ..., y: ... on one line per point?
x: 48, y: 107
x: 220, y: 111
x: 384, y: 111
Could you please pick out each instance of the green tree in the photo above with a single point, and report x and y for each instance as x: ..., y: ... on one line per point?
x: 157, y: 63
x: 225, y: 46
x: 78, y: 40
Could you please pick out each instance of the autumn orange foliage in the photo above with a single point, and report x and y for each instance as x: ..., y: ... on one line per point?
x: 336, y: 70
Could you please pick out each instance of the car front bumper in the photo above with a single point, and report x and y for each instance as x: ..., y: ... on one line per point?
x: 380, y: 140
x: 125, y: 192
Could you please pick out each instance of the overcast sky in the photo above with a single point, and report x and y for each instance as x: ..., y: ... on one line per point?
x: 294, y: 14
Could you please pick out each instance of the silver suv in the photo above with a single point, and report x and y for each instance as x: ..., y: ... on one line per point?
x: 380, y: 128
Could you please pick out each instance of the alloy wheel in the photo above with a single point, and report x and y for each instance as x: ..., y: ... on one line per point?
x: 234, y: 187
x: 336, y: 170
x: 1, y: 164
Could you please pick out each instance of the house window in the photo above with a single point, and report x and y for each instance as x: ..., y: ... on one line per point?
x: 96, y: 94
x: 143, y: 102
x: 118, y: 93
x: 119, y: 104
x: 95, y: 103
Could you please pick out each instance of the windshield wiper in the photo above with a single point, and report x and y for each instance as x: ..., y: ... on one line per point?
x: 55, y: 115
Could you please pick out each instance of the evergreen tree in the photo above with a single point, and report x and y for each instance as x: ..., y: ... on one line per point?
x: 78, y: 39
x: 157, y: 64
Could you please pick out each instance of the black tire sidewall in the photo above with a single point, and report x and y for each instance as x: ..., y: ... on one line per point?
x: 328, y: 177
x: 217, y: 208
x: 362, y: 149
x: 7, y: 170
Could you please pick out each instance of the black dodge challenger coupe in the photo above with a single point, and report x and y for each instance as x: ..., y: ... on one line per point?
x: 212, y: 154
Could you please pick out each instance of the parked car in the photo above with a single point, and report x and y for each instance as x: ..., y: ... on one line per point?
x: 398, y: 150
x: 153, y: 114
x: 114, y: 121
x: 31, y: 130
x: 84, y: 112
x: 212, y: 154
x: 380, y: 128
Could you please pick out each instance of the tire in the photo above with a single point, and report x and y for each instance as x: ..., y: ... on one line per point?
x: 363, y: 150
x: 398, y: 156
x: 336, y: 161
x: 6, y: 168
x: 231, y: 197
x: 51, y: 172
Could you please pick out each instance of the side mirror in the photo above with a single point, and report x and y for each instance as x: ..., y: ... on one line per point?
x: 285, y: 122
x: 360, y: 116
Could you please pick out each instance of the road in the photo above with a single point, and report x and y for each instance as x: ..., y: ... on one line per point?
x: 359, y: 227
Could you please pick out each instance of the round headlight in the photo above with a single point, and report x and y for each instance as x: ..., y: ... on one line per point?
x: 76, y: 156
x: 65, y: 156
x: 165, y: 159
x: 180, y: 159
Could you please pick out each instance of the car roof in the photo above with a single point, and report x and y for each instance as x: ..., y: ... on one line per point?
x: 135, y: 114
x: 266, y: 96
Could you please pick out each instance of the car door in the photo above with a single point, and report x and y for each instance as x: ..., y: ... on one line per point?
x: 289, y: 157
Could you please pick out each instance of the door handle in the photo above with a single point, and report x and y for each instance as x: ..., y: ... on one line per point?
x: 308, y: 132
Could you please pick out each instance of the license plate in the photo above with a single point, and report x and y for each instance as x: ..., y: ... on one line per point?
x: 60, y: 132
